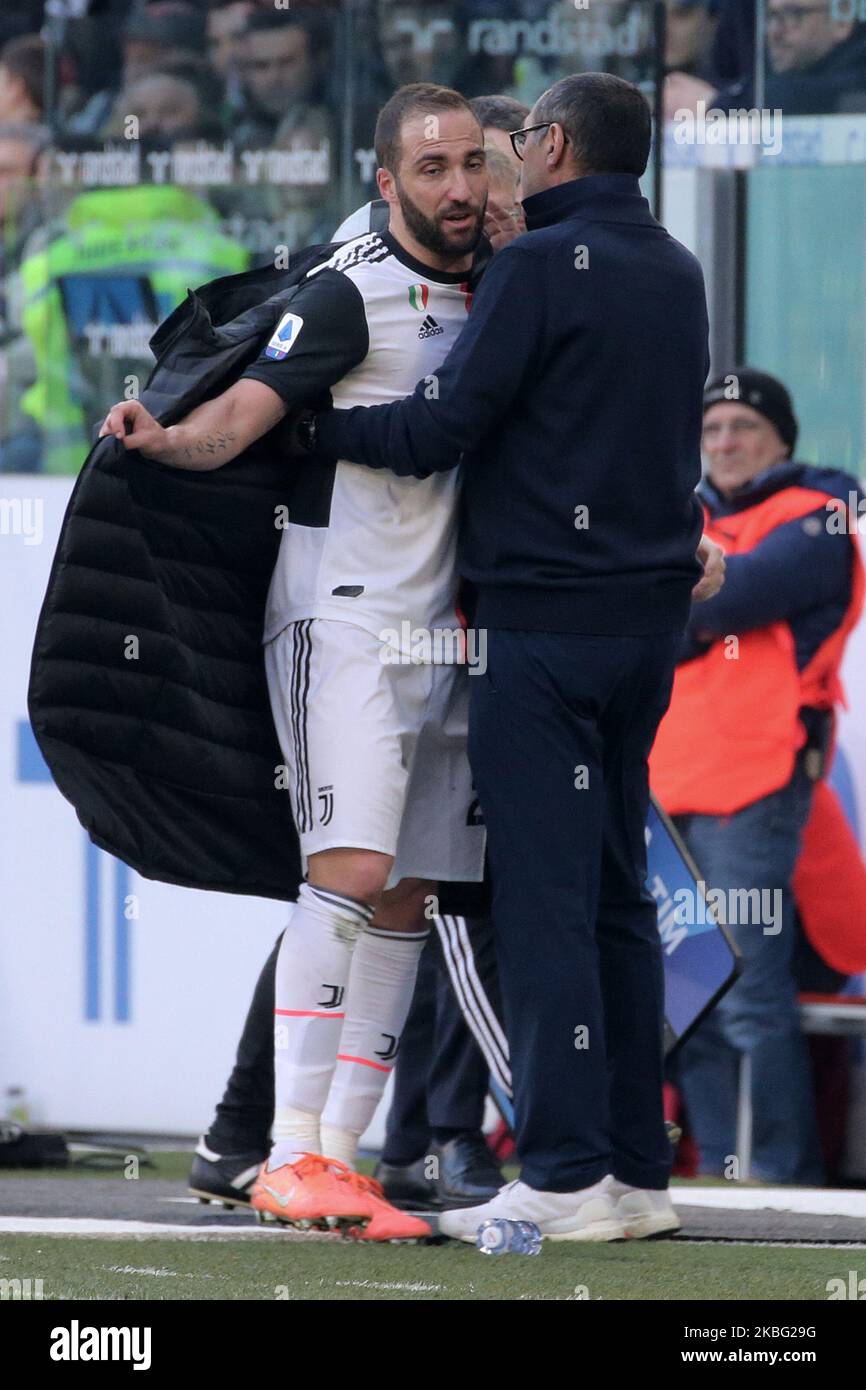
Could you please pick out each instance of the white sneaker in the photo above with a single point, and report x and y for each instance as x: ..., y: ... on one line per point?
x: 643, y: 1211
x: 588, y: 1214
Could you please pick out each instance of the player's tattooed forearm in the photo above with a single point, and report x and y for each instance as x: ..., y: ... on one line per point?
x: 213, y: 443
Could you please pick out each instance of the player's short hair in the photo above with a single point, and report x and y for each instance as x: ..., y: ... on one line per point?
x: 418, y: 98
x: 606, y: 119
x: 25, y: 58
x: 503, y: 113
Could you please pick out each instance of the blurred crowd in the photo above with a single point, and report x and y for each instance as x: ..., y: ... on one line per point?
x: 150, y: 145
x: 814, y: 60
x: 260, y: 72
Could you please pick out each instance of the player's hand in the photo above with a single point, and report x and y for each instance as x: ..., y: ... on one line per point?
x: 502, y: 224
x: 135, y: 427
x: 712, y: 557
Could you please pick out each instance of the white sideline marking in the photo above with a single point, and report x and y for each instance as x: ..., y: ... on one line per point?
x: 800, y: 1201
x: 218, y: 1208
x: 103, y: 1226
x: 376, y: 1284
x: 778, y: 1244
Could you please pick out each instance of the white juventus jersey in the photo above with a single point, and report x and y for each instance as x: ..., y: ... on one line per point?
x: 364, y: 546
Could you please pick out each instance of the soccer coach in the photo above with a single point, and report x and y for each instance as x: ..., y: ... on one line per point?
x: 574, y: 398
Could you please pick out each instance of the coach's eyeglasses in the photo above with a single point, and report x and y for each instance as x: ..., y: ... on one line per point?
x: 518, y: 137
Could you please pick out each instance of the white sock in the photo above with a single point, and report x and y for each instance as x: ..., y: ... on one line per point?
x: 338, y: 1143
x: 381, y: 985
x: 312, y: 974
x: 300, y: 1135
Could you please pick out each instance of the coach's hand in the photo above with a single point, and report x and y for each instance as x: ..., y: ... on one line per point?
x: 502, y: 224
x: 135, y: 427
x: 712, y: 557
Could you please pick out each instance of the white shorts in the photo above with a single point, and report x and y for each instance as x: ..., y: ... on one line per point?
x: 375, y: 753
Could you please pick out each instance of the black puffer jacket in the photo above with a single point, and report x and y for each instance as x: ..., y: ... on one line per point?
x: 166, y: 748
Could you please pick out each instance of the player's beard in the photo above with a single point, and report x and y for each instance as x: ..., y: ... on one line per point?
x: 429, y: 231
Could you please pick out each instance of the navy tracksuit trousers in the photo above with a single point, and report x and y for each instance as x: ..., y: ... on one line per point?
x: 561, y: 726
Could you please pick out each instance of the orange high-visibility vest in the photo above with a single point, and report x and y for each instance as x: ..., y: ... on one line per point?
x: 732, y: 732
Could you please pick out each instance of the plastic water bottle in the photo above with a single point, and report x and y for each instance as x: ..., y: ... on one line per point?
x: 508, y: 1238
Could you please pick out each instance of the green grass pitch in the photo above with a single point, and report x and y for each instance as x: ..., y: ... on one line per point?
x: 154, y: 1268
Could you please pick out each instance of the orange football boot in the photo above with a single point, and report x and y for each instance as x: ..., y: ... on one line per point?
x: 311, y: 1192
x: 384, y: 1221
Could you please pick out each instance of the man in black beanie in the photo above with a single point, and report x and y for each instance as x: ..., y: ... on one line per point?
x: 746, y: 389
x: 742, y: 746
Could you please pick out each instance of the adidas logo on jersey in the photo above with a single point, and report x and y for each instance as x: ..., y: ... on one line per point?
x: 430, y: 328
